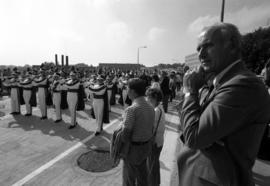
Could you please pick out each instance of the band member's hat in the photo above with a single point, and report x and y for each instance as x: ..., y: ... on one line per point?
x: 72, y: 73
x: 99, y: 78
x: 56, y: 74
x: 28, y: 73
x: 14, y: 74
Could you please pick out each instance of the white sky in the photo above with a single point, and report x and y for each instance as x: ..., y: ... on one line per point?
x: 94, y: 31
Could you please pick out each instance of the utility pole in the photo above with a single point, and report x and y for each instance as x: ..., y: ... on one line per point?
x: 222, y: 11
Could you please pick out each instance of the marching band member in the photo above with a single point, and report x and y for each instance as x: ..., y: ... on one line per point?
x: 100, y: 105
x: 109, y: 91
x: 62, y: 80
x: 56, y: 90
x: 42, y: 83
x: 13, y: 84
x: 28, y: 92
x: 125, y: 101
x: 72, y: 86
x: 114, y: 88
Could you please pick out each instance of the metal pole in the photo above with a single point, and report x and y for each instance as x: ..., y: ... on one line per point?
x: 138, y: 56
x: 62, y: 60
x: 222, y: 11
x: 56, y: 60
x: 66, y: 60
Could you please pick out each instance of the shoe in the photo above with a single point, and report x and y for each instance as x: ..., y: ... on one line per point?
x: 28, y: 115
x: 97, y: 133
x: 72, y: 126
x: 12, y: 113
x: 17, y: 113
x: 57, y: 121
x: 43, y: 117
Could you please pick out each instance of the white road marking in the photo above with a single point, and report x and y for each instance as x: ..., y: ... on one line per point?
x: 57, y: 158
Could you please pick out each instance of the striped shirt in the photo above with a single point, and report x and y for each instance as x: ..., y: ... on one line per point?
x: 139, y: 119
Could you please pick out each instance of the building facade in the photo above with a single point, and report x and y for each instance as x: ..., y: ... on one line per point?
x: 192, y: 60
x: 121, y: 66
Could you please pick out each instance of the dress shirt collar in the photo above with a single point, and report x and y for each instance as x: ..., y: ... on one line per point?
x: 223, y: 72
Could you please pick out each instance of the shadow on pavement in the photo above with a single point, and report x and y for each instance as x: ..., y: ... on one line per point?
x: 48, y: 127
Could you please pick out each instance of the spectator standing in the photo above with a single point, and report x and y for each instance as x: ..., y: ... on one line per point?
x: 154, y: 96
x: 138, y: 122
x: 172, y: 86
x: 164, y: 85
x: 221, y: 135
x: 155, y: 82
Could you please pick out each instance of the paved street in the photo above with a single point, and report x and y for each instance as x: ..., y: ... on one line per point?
x: 35, y: 152
x: 44, y: 153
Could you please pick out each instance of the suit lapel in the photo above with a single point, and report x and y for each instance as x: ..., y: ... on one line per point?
x: 212, y: 91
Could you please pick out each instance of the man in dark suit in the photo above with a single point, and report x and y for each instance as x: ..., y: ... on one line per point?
x: 222, y: 129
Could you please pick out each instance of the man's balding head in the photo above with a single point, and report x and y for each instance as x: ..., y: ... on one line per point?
x: 219, y: 45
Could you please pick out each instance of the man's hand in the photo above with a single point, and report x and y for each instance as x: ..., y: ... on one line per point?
x: 193, y: 80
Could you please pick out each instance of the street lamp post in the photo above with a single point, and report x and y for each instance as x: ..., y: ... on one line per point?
x: 222, y: 11
x: 138, y: 53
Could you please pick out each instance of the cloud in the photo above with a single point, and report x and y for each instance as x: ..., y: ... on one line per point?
x: 247, y: 19
x: 103, y: 4
x: 155, y: 33
x: 118, y: 33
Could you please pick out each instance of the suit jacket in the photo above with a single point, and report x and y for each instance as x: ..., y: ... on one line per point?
x: 164, y: 85
x: 222, y: 136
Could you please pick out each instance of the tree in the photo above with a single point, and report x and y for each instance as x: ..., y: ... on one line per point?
x: 256, y: 49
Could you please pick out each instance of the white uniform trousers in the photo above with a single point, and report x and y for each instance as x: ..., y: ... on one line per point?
x: 72, y: 99
x: 26, y: 96
x: 42, y: 101
x: 109, y: 99
x: 98, y: 105
x: 124, y: 95
x: 57, y: 105
x: 87, y: 93
x: 14, y: 100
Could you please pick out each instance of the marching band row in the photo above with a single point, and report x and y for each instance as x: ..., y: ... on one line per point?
x: 63, y: 93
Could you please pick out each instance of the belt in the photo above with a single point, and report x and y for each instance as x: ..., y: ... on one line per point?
x: 73, y: 90
x: 14, y: 87
x: 56, y: 91
x: 139, y: 142
x: 109, y: 88
x: 27, y: 88
x: 98, y: 96
x: 42, y: 86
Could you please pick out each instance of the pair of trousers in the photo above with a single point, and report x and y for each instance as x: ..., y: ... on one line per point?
x: 72, y: 99
x: 109, y: 92
x: 14, y: 100
x: 57, y: 104
x: 98, y: 106
x: 124, y: 94
x: 42, y: 101
x: 154, y: 166
x: 165, y: 102
x: 135, y: 175
x: 27, y: 96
